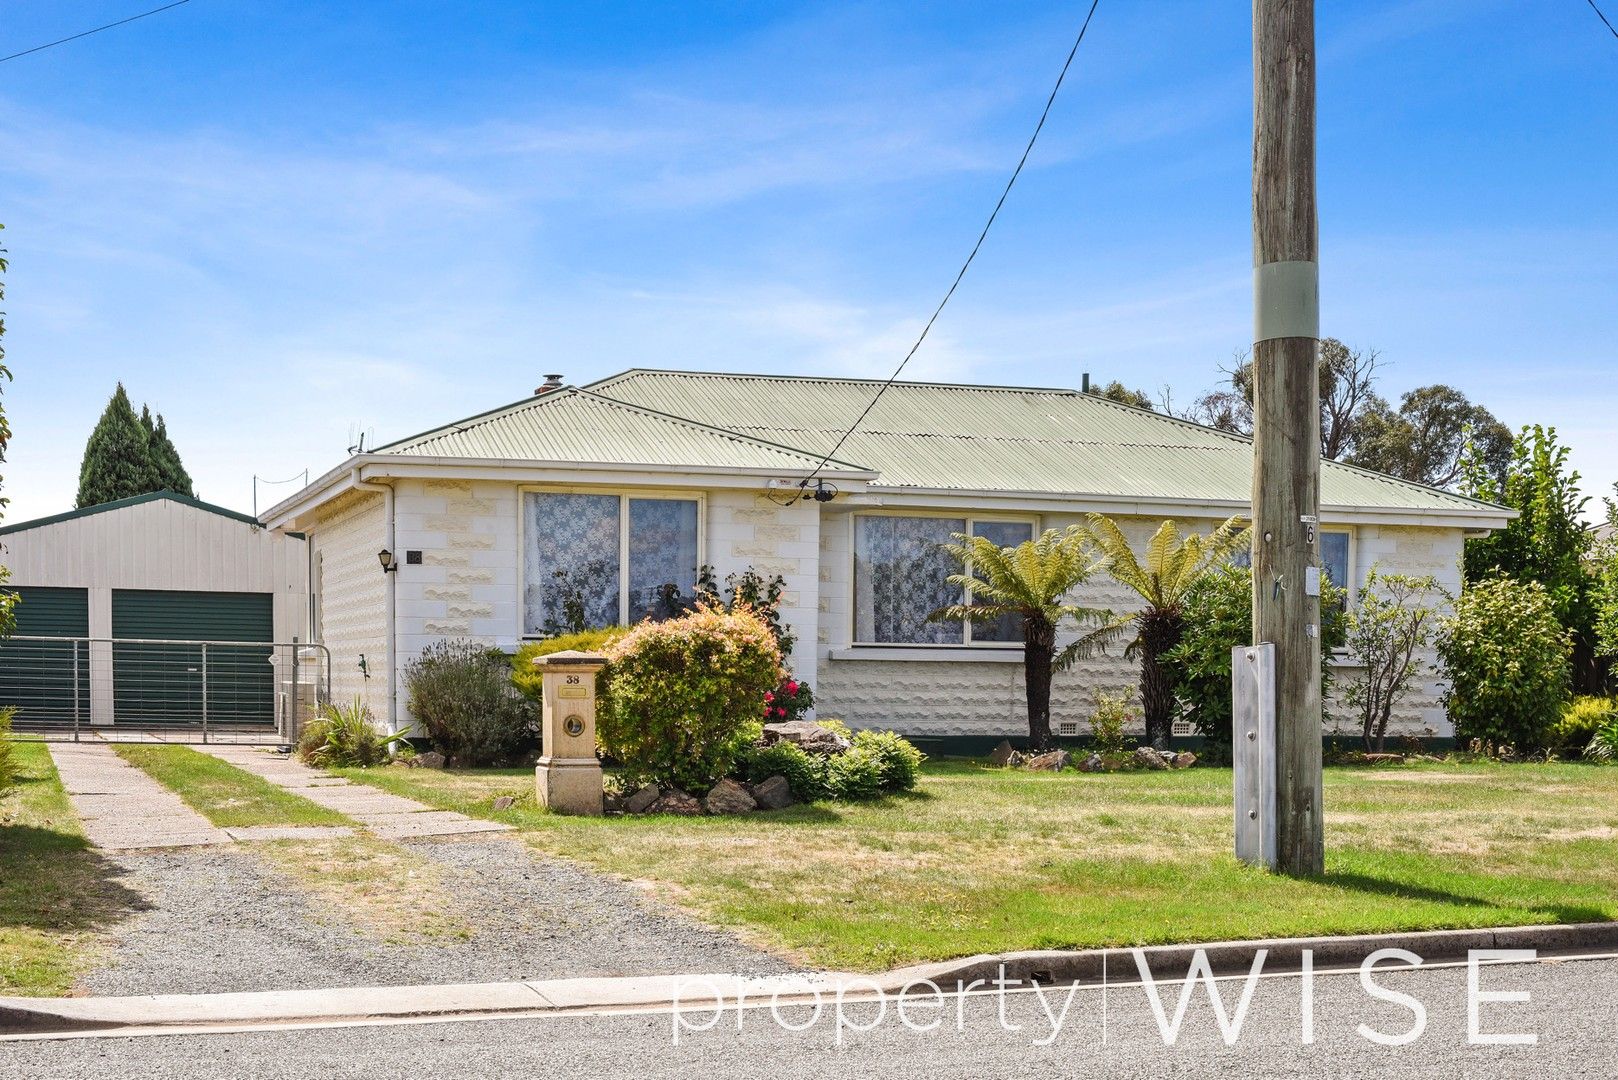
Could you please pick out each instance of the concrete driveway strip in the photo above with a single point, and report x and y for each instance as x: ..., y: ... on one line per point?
x: 388, y: 816
x: 122, y: 808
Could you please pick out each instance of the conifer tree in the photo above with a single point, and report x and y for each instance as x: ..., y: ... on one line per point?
x: 117, y: 459
x: 165, y: 457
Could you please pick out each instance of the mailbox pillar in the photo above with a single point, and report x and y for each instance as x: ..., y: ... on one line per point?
x: 568, y: 776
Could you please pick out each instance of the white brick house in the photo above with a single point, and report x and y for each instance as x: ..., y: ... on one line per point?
x: 607, y: 494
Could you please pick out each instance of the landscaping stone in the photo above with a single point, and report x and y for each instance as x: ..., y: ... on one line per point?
x: 642, y: 800
x: 1183, y: 760
x: 1053, y: 761
x: 612, y: 802
x: 807, y: 736
x: 1384, y: 759
x: 432, y: 759
x: 729, y: 797
x: 504, y: 802
x: 1093, y: 763
x: 1003, y: 753
x: 773, y: 794
x: 1151, y: 758
x: 675, y: 801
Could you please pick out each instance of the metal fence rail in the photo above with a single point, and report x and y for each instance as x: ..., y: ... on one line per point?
x: 206, y: 690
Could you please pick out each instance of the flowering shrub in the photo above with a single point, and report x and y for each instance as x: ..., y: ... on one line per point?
x: 531, y: 680
x: 681, y: 697
x: 789, y: 701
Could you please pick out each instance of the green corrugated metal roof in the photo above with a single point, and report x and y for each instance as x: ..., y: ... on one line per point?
x: 572, y: 425
x: 984, y: 438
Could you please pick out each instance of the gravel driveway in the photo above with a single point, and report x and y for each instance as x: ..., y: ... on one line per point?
x: 223, y: 919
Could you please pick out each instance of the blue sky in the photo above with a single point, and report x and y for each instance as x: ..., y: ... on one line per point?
x: 277, y: 222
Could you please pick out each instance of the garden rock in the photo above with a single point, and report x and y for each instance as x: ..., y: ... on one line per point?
x: 1003, y: 753
x: 612, y: 802
x: 1384, y: 759
x: 1183, y: 760
x: 642, y: 800
x: 432, y: 759
x: 807, y: 736
x: 729, y: 797
x: 1151, y: 758
x: 773, y: 794
x: 1093, y: 763
x: 675, y: 801
x: 504, y: 802
x: 1054, y: 761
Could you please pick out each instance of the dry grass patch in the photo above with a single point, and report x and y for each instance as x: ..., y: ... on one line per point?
x: 374, y: 886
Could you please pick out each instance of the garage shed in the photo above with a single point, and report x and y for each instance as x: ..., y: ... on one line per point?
x: 154, y: 613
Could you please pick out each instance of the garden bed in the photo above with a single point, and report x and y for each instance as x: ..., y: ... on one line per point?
x: 980, y: 859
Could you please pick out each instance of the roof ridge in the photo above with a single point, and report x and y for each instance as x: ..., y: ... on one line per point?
x: 847, y: 379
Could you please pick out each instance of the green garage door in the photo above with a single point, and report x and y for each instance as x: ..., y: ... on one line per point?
x: 162, y: 683
x: 37, y: 676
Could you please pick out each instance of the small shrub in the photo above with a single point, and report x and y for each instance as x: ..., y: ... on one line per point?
x: 805, y: 773
x: 345, y: 738
x: 1506, y: 657
x: 898, y: 761
x: 1581, y: 719
x: 530, y: 680
x: 1218, y: 617
x: 1603, y: 745
x: 855, y: 775
x: 8, y: 760
x: 1112, y: 714
x: 462, y: 697
x: 788, y: 701
x: 751, y: 591
x: 681, y: 696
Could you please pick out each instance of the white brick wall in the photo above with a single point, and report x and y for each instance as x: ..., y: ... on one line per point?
x: 947, y: 697
x: 745, y: 529
x: 353, y: 595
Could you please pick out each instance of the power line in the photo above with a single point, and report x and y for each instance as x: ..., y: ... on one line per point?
x: 97, y: 30
x: 1046, y: 112
x: 1602, y: 17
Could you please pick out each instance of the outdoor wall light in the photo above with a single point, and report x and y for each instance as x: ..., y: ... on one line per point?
x: 385, y: 557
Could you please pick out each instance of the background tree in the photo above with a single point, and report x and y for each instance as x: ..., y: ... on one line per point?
x: 1548, y: 542
x: 1604, y: 587
x: 1117, y: 391
x: 1388, y: 629
x: 164, y: 456
x: 1347, y: 382
x: 1425, y: 440
x: 1172, y: 566
x: 1031, y: 581
x: 117, y: 459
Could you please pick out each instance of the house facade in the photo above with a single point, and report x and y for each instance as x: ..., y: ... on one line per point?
x: 597, y: 505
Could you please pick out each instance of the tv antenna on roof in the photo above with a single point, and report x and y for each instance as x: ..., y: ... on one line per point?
x: 358, y: 436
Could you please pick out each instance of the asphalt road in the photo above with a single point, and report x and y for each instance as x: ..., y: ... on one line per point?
x: 1573, y: 1011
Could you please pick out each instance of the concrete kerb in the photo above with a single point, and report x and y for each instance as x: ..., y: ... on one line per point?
x: 46, y: 1018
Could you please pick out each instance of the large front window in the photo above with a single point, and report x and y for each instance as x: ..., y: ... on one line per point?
x: 598, y: 560
x: 901, y: 576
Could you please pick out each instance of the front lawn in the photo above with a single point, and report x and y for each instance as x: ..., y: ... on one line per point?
x: 987, y: 860
x: 219, y: 791
x: 56, y: 894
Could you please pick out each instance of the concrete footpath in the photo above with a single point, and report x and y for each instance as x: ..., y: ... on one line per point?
x: 166, y: 1014
x: 388, y: 816
x: 122, y: 808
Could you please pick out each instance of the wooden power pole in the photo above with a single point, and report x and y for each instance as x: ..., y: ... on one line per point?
x: 1286, y: 414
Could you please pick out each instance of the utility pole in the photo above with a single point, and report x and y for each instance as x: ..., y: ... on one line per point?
x: 1286, y: 414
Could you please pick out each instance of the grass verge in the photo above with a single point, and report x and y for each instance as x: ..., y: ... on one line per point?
x: 986, y: 860
x: 225, y: 795
x: 56, y: 894
x: 374, y: 886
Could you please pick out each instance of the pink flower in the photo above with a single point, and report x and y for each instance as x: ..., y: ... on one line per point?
x: 780, y: 712
x: 769, y: 695
x: 792, y: 686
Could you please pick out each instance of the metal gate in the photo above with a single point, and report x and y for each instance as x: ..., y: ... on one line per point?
x: 173, y: 690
